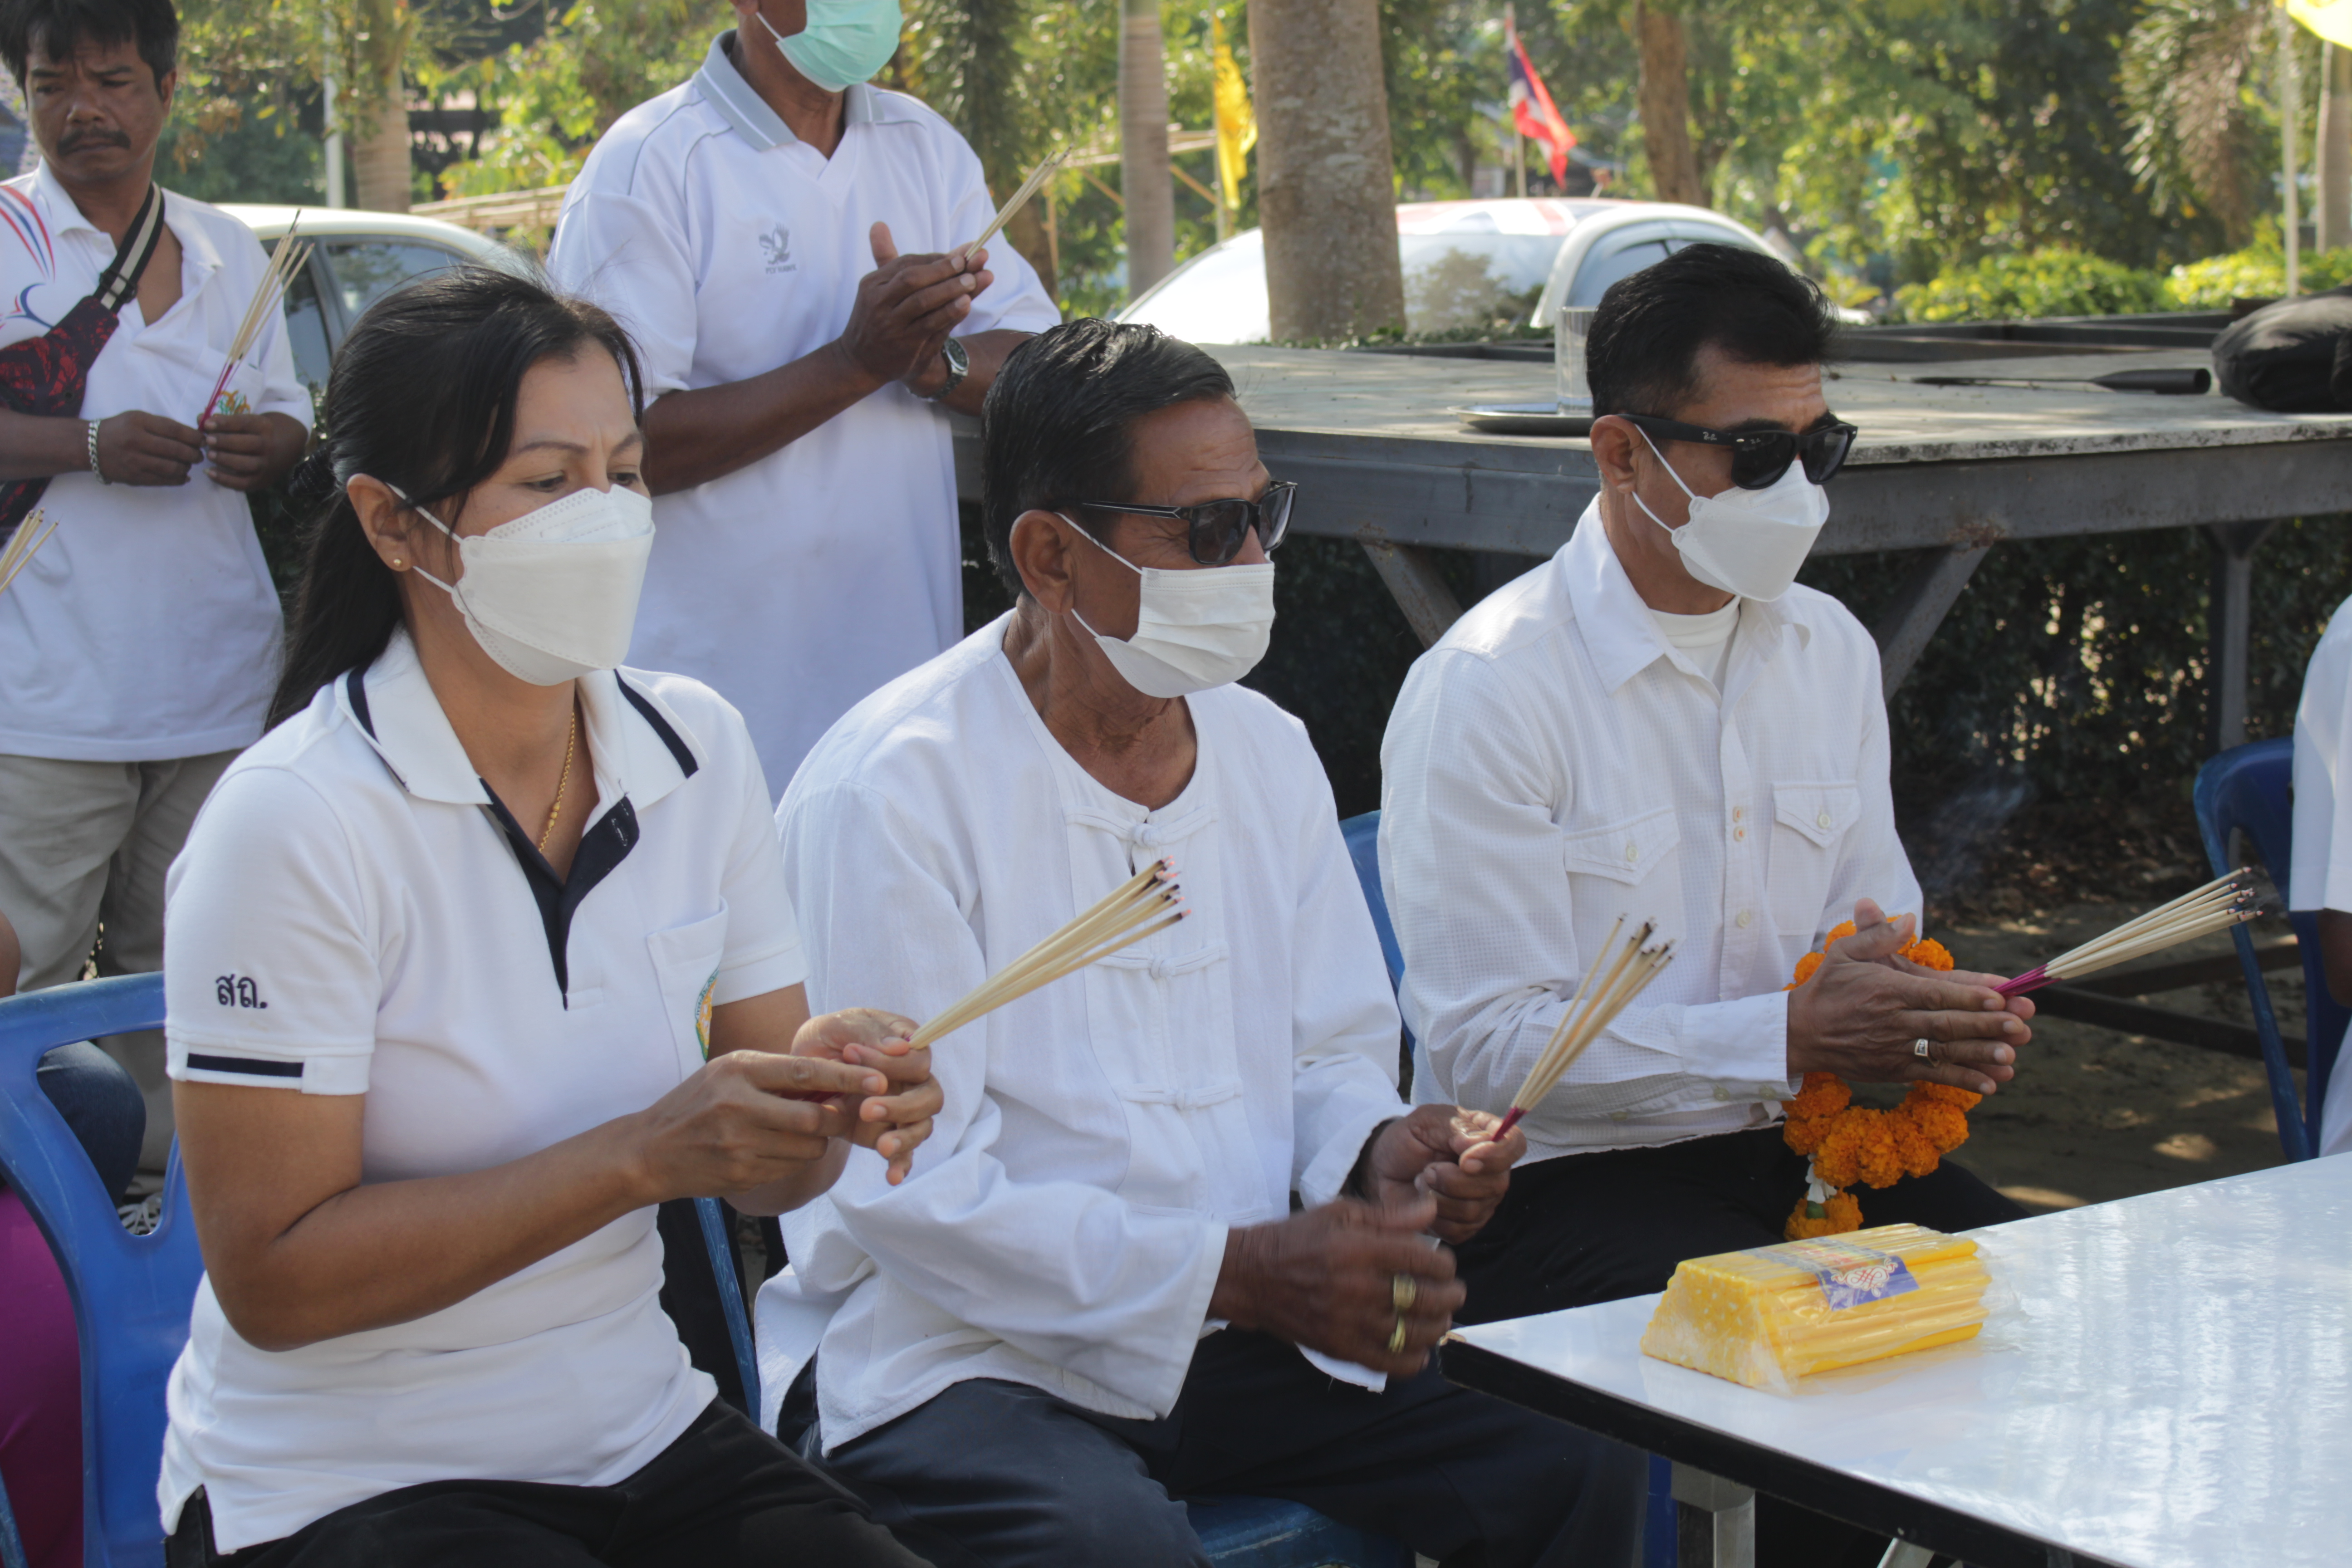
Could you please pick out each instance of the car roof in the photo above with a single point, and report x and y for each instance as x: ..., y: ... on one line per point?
x: 270, y: 221
x: 1507, y: 215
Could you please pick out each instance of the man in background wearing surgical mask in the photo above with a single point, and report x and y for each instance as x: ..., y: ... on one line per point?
x: 777, y: 236
x: 1091, y: 1299
x: 1658, y: 724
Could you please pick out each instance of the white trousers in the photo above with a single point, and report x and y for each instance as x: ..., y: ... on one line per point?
x: 83, y: 850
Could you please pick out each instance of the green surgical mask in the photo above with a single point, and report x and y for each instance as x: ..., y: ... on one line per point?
x: 845, y: 42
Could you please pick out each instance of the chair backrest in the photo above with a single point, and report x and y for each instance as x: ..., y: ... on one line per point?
x: 131, y: 1294
x: 1363, y: 837
x: 2246, y: 790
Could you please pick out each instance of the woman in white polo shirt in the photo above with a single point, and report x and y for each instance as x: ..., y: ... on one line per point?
x: 450, y: 947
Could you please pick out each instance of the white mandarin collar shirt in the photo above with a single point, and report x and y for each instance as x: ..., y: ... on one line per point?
x: 1553, y: 763
x: 354, y: 915
x: 1065, y: 1224
x: 2321, y: 875
x: 147, y: 626
x: 800, y: 582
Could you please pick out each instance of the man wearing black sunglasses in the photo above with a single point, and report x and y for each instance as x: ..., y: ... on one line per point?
x: 1093, y: 1299
x: 1658, y: 724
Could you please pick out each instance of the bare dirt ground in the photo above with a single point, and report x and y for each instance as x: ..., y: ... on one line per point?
x: 2094, y: 1114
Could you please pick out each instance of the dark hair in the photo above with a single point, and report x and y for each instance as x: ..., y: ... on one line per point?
x: 1055, y: 428
x: 422, y: 397
x: 1643, y: 353
x: 61, y: 26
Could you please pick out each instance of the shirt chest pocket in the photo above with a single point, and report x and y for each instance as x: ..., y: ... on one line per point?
x: 1625, y: 853
x: 686, y: 968
x: 1809, y: 823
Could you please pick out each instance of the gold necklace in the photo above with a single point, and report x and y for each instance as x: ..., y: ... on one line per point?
x: 562, y: 780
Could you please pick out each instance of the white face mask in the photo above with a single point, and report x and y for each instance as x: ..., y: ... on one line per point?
x: 1193, y: 630
x: 553, y: 594
x: 1748, y: 542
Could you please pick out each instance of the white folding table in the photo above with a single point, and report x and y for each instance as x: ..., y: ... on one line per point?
x: 2176, y: 1391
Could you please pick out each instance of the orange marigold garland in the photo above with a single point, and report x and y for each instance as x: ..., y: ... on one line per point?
x: 1850, y: 1144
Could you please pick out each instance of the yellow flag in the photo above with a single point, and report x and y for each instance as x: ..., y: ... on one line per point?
x: 1236, y: 125
x: 2331, y: 19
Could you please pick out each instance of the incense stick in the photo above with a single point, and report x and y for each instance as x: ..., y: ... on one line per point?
x: 1143, y: 905
x: 1037, y: 176
x: 2217, y: 905
x: 17, y: 553
x: 1622, y: 978
x: 276, y: 278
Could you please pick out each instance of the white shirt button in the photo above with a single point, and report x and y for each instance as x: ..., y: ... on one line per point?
x: 1633, y: 852
x: 1746, y: 918
x: 1738, y: 812
x: 1822, y: 820
x: 1739, y: 833
x: 1721, y: 1092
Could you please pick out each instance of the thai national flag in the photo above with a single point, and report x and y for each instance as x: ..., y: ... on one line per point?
x: 1532, y: 112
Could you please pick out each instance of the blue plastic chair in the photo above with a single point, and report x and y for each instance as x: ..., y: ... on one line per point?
x: 2246, y: 788
x: 717, y: 1239
x: 131, y: 1294
x: 1363, y: 835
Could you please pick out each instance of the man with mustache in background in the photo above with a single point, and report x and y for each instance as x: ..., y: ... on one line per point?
x: 138, y: 649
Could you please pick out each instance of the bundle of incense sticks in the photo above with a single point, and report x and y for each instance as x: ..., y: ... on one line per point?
x: 1620, y: 980
x: 1029, y: 187
x: 283, y: 263
x: 14, y: 555
x: 2217, y: 906
x: 1145, y: 903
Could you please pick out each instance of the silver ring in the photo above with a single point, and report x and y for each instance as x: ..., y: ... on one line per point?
x: 1919, y: 1049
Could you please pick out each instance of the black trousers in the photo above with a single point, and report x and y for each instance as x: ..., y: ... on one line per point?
x: 725, y: 1495
x: 998, y: 1474
x: 1599, y: 1227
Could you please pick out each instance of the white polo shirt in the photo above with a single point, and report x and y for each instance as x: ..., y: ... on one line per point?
x: 354, y: 914
x: 728, y: 246
x: 2321, y: 875
x: 147, y: 628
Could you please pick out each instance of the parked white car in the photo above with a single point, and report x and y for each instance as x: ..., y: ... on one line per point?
x: 1467, y: 263
x: 357, y: 259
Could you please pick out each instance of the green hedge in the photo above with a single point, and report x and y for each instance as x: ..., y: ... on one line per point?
x: 2051, y: 282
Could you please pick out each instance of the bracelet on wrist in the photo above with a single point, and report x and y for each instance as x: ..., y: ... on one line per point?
x: 90, y: 441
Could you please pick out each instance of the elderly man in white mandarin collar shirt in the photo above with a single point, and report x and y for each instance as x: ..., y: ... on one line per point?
x: 1093, y: 1297
x: 1658, y: 724
x: 781, y: 239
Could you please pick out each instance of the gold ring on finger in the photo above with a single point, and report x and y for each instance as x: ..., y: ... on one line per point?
x: 1396, y: 1338
x: 1404, y: 1291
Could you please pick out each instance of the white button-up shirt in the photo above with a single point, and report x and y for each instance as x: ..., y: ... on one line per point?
x: 351, y: 916
x: 798, y: 583
x: 1553, y: 763
x: 2321, y: 875
x: 146, y: 628
x: 1065, y: 1224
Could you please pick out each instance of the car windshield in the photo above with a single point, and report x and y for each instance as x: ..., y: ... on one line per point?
x: 1458, y: 281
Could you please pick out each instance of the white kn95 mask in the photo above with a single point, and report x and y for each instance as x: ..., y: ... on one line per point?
x: 1193, y: 630
x: 1748, y: 542
x: 553, y: 594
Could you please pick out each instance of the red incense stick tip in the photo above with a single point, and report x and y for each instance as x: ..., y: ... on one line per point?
x: 1510, y: 1120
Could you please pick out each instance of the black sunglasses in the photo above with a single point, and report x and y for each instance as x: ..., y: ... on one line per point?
x: 1214, y: 530
x: 1759, y: 458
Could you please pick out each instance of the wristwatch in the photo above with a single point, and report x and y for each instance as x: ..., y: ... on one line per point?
x: 958, y: 366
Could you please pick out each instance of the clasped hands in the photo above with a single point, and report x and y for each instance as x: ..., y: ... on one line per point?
x: 907, y: 307
x: 1366, y: 1278
x: 1864, y: 1011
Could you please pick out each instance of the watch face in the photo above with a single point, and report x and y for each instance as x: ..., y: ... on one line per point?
x: 959, y: 361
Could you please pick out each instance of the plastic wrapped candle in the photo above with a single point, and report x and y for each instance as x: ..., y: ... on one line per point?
x: 1774, y: 1314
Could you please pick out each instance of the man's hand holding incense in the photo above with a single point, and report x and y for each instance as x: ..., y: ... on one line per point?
x: 1864, y: 1011
x: 1444, y: 1152
x: 1348, y: 1278
x: 892, y: 1124
x: 905, y: 309
x: 247, y: 451
x: 141, y: 449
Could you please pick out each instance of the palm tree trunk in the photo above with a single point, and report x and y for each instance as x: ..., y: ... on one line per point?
x: 1664, y: 99
x: 1145, y: 183
x: 380, y: 147
x: 1326, y: 181
x: 2333, y: 167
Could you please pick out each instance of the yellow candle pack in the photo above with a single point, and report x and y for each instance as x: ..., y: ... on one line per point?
x: 1771, y: 1315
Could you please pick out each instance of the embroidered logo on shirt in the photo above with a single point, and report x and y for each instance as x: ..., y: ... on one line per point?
x: 238, y: 990
x: 776, y: 245
x: 702, y: 1013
